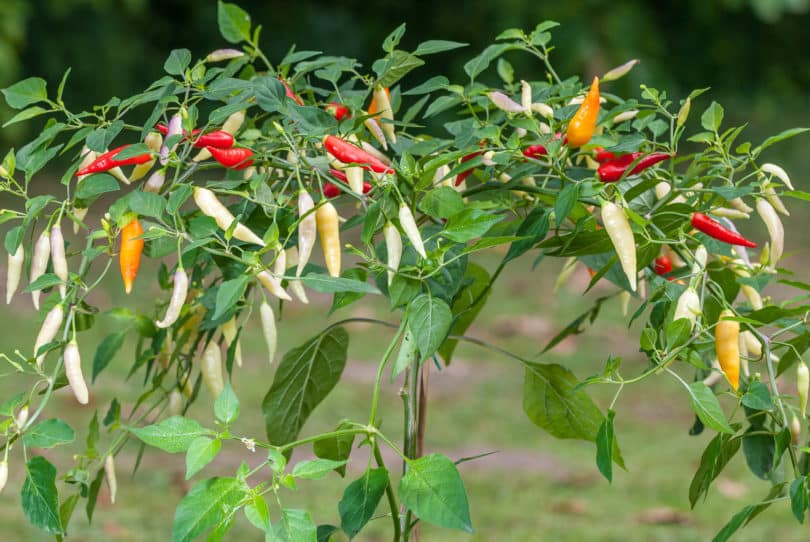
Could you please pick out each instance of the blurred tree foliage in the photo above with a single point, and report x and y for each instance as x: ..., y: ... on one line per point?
x: 752, y: 52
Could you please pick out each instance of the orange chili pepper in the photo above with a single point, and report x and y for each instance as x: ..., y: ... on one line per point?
x: 131, y: 249
x: 583, y: 124
x: 372, y: 107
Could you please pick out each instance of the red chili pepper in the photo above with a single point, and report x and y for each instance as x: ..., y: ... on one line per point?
x: 236, y: 158
x: 614, y: 170
x: 218, y: 138
x: 163, y: 129
x: 461, y: 177
x: 331, y: 190
x: 663, y: 265
x: 351, y: 154
x: 603, y: 156
x: 106, y: 162
x: 290, y: 94
x: 337, y: 174
x: 714, y: 229
x: 338, y: 110
x: 534, y: 151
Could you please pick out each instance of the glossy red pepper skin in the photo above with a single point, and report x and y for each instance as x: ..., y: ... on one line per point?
x: 163, y: 129
x: 663, y: 265
x: 337, y: 174
x: 351, y: 154
x: 218, y: 138
x: 603, y: 156
x: 236, y: 158
x: 461, y: 177
x: 290, y: 94
x: 106, y: 162
x: 534, y: 151
x: 613, y: 170
x: 338, y: 110
x: 715, y: 230
x: 331, y: 190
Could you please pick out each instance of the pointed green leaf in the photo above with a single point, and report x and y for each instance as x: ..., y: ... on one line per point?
x: 360, y: 500
x: 48, y: 433
x: 40, y: 500
x: 433, y: 489
x: 207, y: 504
x: 172, y: 435
x: 429, y: 319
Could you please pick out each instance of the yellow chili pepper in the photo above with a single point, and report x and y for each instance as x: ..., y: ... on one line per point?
x: 727, y: 346
x: 583, y: 124
x: 326, y: 217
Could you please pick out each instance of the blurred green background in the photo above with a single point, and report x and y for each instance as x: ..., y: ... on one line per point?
x: 753, y: 55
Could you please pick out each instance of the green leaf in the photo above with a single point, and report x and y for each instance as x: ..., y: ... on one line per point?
x: 707, y: 408
x: 434, y: 83
x: 26, y: 114
x: 759, y: 451
x: 798, y: 498
x: 295, y: 526
x: 48, y: 433
x: 720, y: 450
x: 552, y: 401
x: 360, y: 499
x: 737, y: 521
x: 482, y: 61
x: 327, y: 284
x: 712, y: 118
x: 258, y: 514
x: 758, y: 397
x: 442, y: 202
x: 429, y: 320
x: 234, y: 22
x: 406, y: 356
x: 303, y: 379
x: 396, y: 67
x: 604, y: 446
x: 40, y: 500
x: 315, y: 469
x: 566, y: 200
x: 431, y: 47
x: 173, y: 435
x: 95, y: 185
x: 226, y: 405
x: 106, y: 351
x: 207, y: 504
x: 781, y: 136
x: 336, y: 448
x: 178, y: 61
x: 534, y: 227
x: 26, y: 92
x: 433, y: 489
x: 469, y: 224
x: 201, y: 452
x: 147, y: 204
x: 343, y: 299
x: 466, y: 306
x: 48, y: 280
x: 228, y: 294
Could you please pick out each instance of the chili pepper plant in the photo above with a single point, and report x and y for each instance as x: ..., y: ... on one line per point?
x: 253, y: 160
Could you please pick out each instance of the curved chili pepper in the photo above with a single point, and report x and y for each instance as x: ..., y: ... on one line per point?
x: 727, y: 347
x: 106, y: 162
x: 332, y: 191
x: 603, y: 156
x: 290, y: 94
x: 351, y: 154
x: 534, y: 151
x: 338, y: 110
x: 614, y: 169
x: 220, y: 139
x: 583, y: 123
x: 339, y: 175
x: 715, y: 230
x: 163, y: 129
x: 461, y: 177
x: 236, y: 158
x: 131, y: 249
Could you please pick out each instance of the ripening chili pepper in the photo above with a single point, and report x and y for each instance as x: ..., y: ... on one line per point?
x: 273, y: 285
x: 229, y: 332
x: 210, y: 205
x: 583, y: 124
x: 219, y: 55
x: 129, y: 257
x: 163, y: 129
x: 58, y: 259
x: 326, y: 218
x: 269, y: 329
x: 779, y: 173
x: 534, y: 151
x: 795, y: 430
x: 382, y: 103
x: 212, y: 369
x: 621, y: 235
x: 289, y: 92
x: 351, y: 154
x: 235, y: 158
x: 461, y: 177
x: 338, y: 110
x: 727, y: 346
x: 3, y: 474
x: 663, y: 265
x: 802, y: 386
x: 307, y: 228
x: 73, y: 371
x: 337, y: 174
x: 39, y: 262
x: 613, y: 170
x: 603, y: 156
x: 179, y: 293
x: 88, y: 157
x: 393, y: 249
x: 770, y: 194
x: 175, y: 406
x: 109, y: 476
x: 175, y: 128
x: 106, y: 161
x: 154, y: 141
x: 155, y: 181
x: 376, y: 103
x: 21, y: 418
x: 14, y: 272
x: 219, y: 139
x: 715, y: 230
x: 47, y: 333
x: 752, y: 345
x: 354, y: 178
x: 330, y: 190
x: 411, y: 230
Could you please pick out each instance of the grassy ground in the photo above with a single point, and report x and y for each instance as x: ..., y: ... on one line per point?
x: 534, y: 488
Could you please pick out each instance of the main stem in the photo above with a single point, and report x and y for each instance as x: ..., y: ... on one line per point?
x: 411, y: 445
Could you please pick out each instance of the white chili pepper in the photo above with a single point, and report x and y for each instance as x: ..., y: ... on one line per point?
x: 504, y: 102
x: 526, y: 97
x: 155, y: 181
x: 175, y: 128
x: 354, y: 178
x: 269, y: 329
x: 374, y: 128
x: 14, y: 271
x: 88, y: 158
x: 307, y: 228
x: 727, y: 212
x: 229, y: 332
x: 752, y: 345
x: 619, y: 71
x: 178, y: 299
x: 770, y: 194
x: 21, y: 418
x: 740, y: 205
x: 3, y: 474
x: 625, y: 116
x: 621, y: 235
x: 109, y: 475
x: 393, y: 247
x: 211, y: 206
x: 39, y: 262
x: 154, y: 141
x: 219, y: 55
x: 408, y: 224
x: 58, y: 258
x: 802, y: 386
x: 47, y: 333
x: 544, y: 111
x: 175, y: 406
x: 212, y: 369
x: 386, y: 113
x: 775, y: 229
x: 688, y: 307
x: 273, y: 285
x: 73, y: 371
x: 779, y: 173
x: 374, y: 151
x: 296, y: 286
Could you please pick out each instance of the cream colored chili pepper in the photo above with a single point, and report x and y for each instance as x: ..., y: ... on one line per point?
x: 326, y: 218
x: 58, y: 259
x: 155, y: 181
x: 229, y: 332
x: 727, y: 346
x: 779, y: 173
x: 688, y: 307
x: 775, y: 229
x: 408, y: 224
x: 109, y: 476
x: 621, y: 235
x: 383, y: 103
x: 154, y: 141
x: 73, y: 371
x: 47, y: 333
x: 269, y: 329
x: 39, y: 262
x: 212, y: 369
x: 802, y: 386
x: 393, y: 248
x: 14, y: 272
x: 175, y: 406
x: 178, y: 299
x: 307, y: 228
x: 770, y: 195
x: 526, y: 97
x: 3, y: 474
x: 211, y: 206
